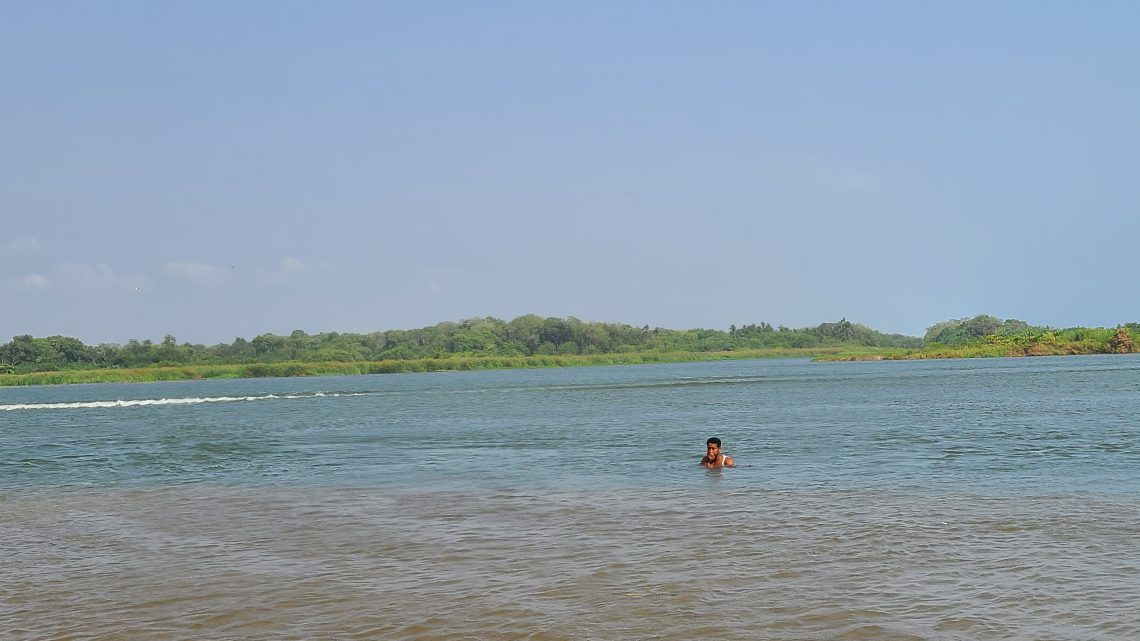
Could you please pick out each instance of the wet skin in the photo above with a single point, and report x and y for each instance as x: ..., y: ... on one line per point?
x: 715, y: 458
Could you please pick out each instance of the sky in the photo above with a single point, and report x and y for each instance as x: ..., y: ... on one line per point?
x: 210, y: 170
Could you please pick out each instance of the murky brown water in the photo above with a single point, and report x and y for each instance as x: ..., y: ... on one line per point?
x: 328, y: 563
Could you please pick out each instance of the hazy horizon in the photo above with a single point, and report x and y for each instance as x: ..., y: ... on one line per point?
x: 215, y: 171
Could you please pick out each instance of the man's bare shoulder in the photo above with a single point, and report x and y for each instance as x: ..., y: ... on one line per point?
x: 724, y: 462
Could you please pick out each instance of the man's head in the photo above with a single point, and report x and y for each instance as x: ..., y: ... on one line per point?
x: 713, y: 445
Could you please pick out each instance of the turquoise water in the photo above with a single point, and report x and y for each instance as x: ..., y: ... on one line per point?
x: 1002, y: 426
x: 936, y: 501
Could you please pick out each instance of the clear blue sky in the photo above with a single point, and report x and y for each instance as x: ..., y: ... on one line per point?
x: 216, y: 169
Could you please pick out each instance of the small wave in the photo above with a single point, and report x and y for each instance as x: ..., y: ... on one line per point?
x: 145, y: 402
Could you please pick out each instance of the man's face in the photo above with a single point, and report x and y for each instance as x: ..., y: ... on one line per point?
x: 714, y: 451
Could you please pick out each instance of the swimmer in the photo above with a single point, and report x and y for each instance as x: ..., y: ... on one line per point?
x: 714, y: 457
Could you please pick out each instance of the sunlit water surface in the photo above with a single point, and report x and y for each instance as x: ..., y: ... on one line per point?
x: 989, y: 499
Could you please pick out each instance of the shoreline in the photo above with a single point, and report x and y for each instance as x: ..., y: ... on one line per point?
x: 285, y: 369
x: 332, y: 368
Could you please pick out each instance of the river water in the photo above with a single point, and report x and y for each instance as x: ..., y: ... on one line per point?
x: 961, y: 499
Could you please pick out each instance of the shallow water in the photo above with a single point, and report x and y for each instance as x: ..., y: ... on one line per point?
x: 995, y: 499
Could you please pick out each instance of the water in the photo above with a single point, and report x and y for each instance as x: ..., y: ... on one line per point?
x: 988, y: 499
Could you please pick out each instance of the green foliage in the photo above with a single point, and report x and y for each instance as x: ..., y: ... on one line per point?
x: 964, y: 338
x: 527, y: 336
x: 964, y: 331
x: 518, y: 343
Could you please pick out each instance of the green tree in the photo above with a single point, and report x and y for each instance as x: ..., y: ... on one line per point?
x: 19, y: 351
x: 526, y: 331
x: 267, y: 344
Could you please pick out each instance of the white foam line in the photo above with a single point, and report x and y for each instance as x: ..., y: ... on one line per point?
x: 168, y: 401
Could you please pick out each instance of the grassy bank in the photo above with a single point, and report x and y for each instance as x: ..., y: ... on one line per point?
x: 292, y: 368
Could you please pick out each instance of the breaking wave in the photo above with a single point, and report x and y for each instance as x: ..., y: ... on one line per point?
x: 144, y: 402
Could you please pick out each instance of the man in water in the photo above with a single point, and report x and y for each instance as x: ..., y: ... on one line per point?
x: 714, y: 457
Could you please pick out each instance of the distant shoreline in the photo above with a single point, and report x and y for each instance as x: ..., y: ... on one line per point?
x: 473, y: 363
x: 469, y: 363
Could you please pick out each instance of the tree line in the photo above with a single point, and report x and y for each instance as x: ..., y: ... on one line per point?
x: 989, y: 329
x: 527, y: 335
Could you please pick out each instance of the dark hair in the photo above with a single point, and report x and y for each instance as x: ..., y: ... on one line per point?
x: 713, y: 441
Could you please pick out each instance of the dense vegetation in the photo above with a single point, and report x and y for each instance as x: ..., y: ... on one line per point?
x: 525, y: 336
x: 984, y: 336
x: 963, y: 330
x: 528, y: 341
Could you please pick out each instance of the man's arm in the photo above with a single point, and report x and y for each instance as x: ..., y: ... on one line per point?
x: 728, y: 461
